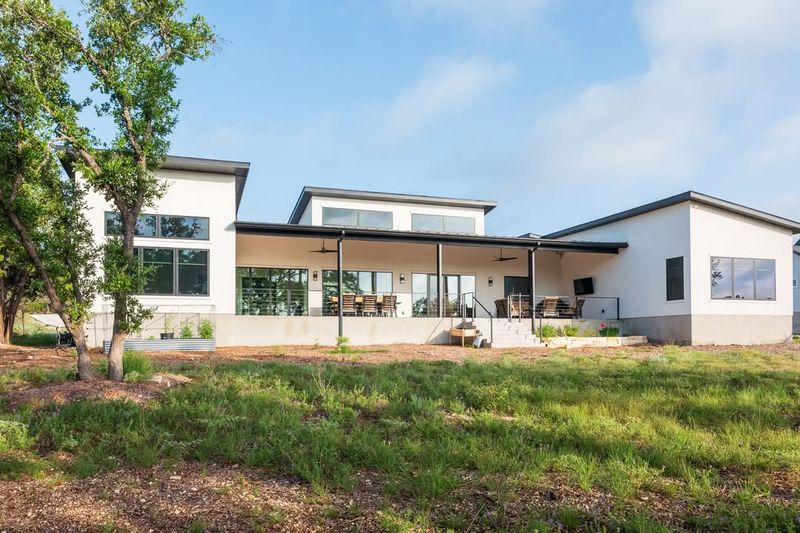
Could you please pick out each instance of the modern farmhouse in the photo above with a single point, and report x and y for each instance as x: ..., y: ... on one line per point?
x: 385, y: 267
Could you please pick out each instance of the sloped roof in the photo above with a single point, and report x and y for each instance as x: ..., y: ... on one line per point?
x: 688, y: 196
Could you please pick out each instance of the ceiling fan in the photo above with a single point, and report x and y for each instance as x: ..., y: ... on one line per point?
x: 322, y: 250
x: 501, y: 258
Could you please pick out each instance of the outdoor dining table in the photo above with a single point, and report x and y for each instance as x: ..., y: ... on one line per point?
x: 359, y: 301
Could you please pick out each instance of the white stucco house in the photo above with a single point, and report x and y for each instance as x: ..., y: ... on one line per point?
x: 796, y: 289
x: 690, y: 268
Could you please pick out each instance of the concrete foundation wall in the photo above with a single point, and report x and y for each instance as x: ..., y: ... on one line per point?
x: 675, y: 329
x: 740, y: 329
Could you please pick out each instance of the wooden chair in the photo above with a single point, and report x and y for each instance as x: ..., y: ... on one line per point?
x: 333, y: 305
x: 548, y: 308
x: 349, y: 304
x: 369, y: 305
x: 389, y: 307
x: 501, y: 308
x: 575, y: 310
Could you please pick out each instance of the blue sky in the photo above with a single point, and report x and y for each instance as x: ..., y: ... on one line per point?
x: 560, y: 110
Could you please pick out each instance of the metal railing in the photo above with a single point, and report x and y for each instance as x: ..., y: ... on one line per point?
x: 272, y: 302
x: 518, y: 306
x: 465, y: 311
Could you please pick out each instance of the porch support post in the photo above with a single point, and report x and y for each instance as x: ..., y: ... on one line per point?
x: 339, y: 284
x: 532, y: 282
x: 439, y: 282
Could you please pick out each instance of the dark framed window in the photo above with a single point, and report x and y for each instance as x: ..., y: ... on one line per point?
x: 735, y: 278
x: 171, y: 271
x: 361, y: 218
x: 271, y: 291
x: 163, y: 226
x: 442, y: 223
x: 675, y: 281
x: 354, y: 281
x: 145, y: 225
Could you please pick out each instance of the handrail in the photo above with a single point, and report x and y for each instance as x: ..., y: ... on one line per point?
x: 491, y: 316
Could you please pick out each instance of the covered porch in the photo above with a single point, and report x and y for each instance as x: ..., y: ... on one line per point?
x: 306, y: 271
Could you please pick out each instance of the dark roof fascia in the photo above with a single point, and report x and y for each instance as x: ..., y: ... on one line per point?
x: 308, y: 192
x: 331, y: 232
x: 689, y: 196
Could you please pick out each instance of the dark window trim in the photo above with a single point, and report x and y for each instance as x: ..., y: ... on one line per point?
x: 733, y: 277
x: 139, y: 254
x: 158, y: 227
x: 358, y: 212
x: 670, y: 297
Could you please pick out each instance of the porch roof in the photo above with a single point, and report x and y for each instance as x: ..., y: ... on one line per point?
x: 334, y: 232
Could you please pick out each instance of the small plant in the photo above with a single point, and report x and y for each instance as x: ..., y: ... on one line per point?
x: 205, y: 329
x: 570, y: 331
x: 548, y: 331
x: 186, y: 331
x: 169, y: 328
x: 608, y: 331
x: 136, y: 367
x: 342, y: 345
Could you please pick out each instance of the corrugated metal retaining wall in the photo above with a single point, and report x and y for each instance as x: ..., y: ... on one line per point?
x: 167, y: 345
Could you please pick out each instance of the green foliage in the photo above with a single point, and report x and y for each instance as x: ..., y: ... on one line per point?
x: 570, y: 330
x: 35, y: 339
x: 137, y: 366
x: 205, y: 329
x: 548, y: 331
x: 676, y: 425
x: 609, y: 331
x: 342, y: 345
x: 186, y: 330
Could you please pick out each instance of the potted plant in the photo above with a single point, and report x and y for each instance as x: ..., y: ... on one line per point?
x: 169, y: 329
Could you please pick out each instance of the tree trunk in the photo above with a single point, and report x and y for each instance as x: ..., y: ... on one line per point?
x: 12, y: 291
x: 74, y: 327
x: 119, y: 334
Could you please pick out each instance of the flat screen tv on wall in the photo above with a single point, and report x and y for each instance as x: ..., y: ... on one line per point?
x: 583, y: 286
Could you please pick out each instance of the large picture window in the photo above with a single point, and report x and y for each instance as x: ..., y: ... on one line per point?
x: 734, y: 278
x: 168, y: 227
x: 171, y: 271
x: 675, y: 279
x: 442, y: 223
x: 356, y: 282
x: 360, y: 218
x: 271, y: 291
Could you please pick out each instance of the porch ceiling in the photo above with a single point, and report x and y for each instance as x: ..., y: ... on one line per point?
x: 332, y: 232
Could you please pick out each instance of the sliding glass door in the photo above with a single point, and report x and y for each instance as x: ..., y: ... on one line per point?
x: 425, y: 294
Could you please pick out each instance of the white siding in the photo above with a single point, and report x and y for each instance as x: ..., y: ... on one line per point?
x: 401, y: 211
x: 189, y: 194
x: 720, y: 233
x: 638, y: 274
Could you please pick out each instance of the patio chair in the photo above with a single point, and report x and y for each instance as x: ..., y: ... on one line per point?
x: 369, y: 305
x: 333, y: 305
x: 575, y: 310
x: 548, y: 307
x: 501, y: 308
x: 520, y: 307
x: 389, y: 307
x: 349, y: 304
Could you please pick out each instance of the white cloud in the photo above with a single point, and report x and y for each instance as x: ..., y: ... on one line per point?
x: 666, y: 122
x: 447, y: 87
x: 485, y: 14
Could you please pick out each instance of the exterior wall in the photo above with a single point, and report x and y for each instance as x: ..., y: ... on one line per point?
x: 637, y: 275
x: 719, y: 233
x: 189, y: 194
x: 401, y: 212
x: 398, y: 258
x: 796, y: 291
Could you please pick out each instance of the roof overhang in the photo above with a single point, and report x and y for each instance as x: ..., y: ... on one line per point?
x: 332, y: 232
x: 325, y: 192
x: 689, y: 196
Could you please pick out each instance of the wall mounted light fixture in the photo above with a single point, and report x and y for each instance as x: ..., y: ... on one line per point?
x: 402, y: 278
x: 491, y: 281
x: 315, y: 275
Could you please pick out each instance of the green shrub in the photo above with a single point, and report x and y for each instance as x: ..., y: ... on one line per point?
x: 570, y: 331
x: 548, y: 331
x: 136, y: 367
x: 205, y: 329
x: 186, y: 331
x: 342, y: 345
x: 35, y: 339
x: 609, y: 331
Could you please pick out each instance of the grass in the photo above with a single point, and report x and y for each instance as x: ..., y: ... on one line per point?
x: 706, y: 429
